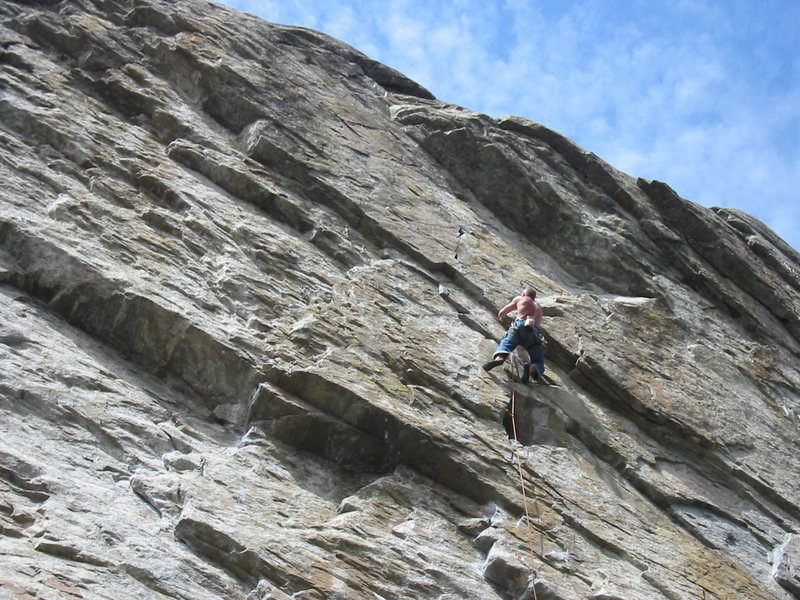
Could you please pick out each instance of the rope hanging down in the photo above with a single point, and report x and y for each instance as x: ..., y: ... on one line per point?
x: 512, y: 411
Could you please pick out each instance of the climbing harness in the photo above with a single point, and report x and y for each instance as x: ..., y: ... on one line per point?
x: 511, y: 411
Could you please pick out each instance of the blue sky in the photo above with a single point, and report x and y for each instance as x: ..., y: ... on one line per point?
x: 703, y: 95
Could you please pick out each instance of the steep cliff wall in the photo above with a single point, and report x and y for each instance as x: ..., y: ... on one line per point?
x: 248, y: 277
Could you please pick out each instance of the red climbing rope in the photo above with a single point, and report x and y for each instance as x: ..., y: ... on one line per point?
x: 512, y: 412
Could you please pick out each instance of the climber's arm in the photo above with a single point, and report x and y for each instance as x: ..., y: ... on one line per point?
x: 508, y: 308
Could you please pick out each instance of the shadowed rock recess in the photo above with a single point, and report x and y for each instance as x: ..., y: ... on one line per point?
x: 248, y: 277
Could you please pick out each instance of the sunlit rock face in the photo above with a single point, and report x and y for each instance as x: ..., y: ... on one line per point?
x: 247, y: 280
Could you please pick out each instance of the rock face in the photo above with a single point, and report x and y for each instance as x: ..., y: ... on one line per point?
x: 248, y: 278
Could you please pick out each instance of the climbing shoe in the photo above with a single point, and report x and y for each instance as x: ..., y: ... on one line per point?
x: 493, y: 363
x: 526, y: 372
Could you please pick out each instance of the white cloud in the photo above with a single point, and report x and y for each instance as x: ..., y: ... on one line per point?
x: 700, y: 94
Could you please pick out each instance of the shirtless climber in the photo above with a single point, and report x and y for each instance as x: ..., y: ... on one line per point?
x: 524, y: 331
